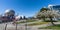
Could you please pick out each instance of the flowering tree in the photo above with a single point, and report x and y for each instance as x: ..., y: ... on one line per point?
x: 48, y: 14
x: 41, y: 14
x: 51, y: 14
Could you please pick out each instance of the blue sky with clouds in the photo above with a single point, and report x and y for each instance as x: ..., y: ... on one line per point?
x: 26, y: 7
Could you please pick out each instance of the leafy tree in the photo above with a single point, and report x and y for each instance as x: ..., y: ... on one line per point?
x: 20, y: 17
x: 43, y: 9
x: 24, y: 17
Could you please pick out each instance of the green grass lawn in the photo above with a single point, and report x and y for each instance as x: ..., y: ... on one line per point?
x: 31, y: 20
x: 37, y: 23
x: 57, y: 27
x: 26, y: 21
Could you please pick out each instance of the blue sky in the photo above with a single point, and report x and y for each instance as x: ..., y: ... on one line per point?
x: 26, y: 7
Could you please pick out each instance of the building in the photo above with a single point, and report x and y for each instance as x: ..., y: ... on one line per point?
x: 54, y: 7
x: 9, y: 12
x: 9, y: 15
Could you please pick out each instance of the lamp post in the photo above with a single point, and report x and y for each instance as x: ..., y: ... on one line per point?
x: 26, y: 25
x: 16, y: 26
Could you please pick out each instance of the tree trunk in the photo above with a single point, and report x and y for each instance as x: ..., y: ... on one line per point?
x: 51, y: 21
x: 44, y: 19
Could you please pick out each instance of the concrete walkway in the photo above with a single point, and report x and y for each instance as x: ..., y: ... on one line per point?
x: 22, y: 26
x: 38, y: 26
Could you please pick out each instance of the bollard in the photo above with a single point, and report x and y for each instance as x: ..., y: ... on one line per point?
x: 6, y: 27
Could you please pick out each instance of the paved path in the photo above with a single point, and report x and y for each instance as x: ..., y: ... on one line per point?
x: 10, y: 26
x: 22, y: 26
x: 38, y: 26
